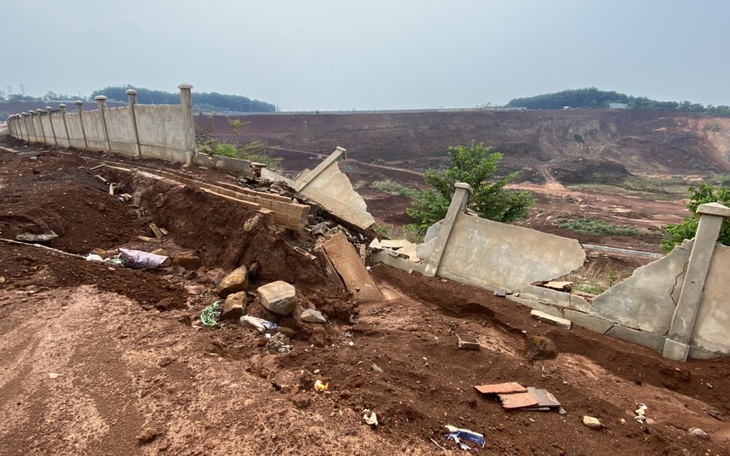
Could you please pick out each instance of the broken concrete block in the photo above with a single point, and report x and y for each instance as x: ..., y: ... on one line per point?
x: 591, y: 422
x: 234, y: 282
x: 347, y: 262
x: 234, y: 306
x: 547, y: 318
x: 500, y: 292
x: 394, y: 243
x: 39, y: 238
x: 187, y: 261
x: 278, y: 297
x: 101, y: 252
x: 313, y: 316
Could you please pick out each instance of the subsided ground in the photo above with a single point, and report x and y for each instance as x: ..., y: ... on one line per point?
x: 101, y: 360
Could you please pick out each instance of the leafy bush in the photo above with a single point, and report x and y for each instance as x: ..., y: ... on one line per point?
x: 703, y: 194
x: 475, y: 165
x: 227, y: 150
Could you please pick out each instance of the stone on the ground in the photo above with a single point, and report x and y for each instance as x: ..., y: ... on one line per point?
x: 313, y: 316
x: 468, y: 344
x: 697, y: 432
x: 187, y: 261
x: 234, y: 307
x: 591, y: 422
x: 39, y: 238
x: 162, y: 252
x: 278, y: 297
x: 234, y: 282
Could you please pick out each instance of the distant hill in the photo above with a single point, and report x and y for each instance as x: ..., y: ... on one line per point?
x: 595, y: 98
x: 202, y: 101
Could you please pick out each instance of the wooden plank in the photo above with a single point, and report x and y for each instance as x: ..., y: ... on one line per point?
x: 518, y: 400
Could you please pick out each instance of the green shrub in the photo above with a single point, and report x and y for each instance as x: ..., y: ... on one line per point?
x: 598, y: 228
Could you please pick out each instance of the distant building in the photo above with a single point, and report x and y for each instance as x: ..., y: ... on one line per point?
x: 618, y: 106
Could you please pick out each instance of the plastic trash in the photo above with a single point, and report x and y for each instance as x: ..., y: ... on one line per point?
x: 138, y: 259
x: 457, y: 435
x: 210, y: 315
x: 94, y: 257
x: 264, y: 326
x: 370, y: 417
x: 320, y: 386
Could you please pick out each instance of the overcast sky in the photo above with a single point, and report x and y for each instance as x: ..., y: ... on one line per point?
x: 376, y: 54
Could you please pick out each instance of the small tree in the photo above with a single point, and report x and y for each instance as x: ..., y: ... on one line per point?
x: 475, y: 165
x: 705, y: 193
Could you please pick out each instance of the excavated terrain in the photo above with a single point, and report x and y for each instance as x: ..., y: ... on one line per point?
x: 104, y: 360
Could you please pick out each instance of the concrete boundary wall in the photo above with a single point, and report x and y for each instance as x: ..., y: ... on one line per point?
x: 678, y: 305
x: 164, y: 132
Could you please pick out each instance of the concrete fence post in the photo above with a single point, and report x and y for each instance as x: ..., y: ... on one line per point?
x: 101, y: 104
x: 186, y: 104
x: 53, y: 129
x: 11, y: 125
x: 677, y: 346
x: 80, y: 108
x: 458, y: 202
x: 62, y: 108
x: 132, y: 97
x: 40, y: 122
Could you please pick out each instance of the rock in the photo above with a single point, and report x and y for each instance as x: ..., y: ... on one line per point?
x: 313, y: 316
x: 279, y: 343
x: 187, y: 261
x: 301, y: 400
x: 697, y: 432
x: 467, y: 344
x: 278, y: 297
x: 147, y: 435
x: 162, y: 252
x: 592, y: 423
x: 234, y: 306
x: 538, y: 347
x: 288, y: 332
x: 234, y: 282
x: 39, y: 238
x: 376, y: 368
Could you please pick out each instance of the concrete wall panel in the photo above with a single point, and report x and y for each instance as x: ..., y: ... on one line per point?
x: 47, y: 131
x: 121, y: 130
x: 37, y: 129
x: 496, y: 255
x: 94, y: 130
x: 75, y: 133
x: 57, y: 121
x: 711, y: 332
x: 161, y: 126
x: 646, y: 301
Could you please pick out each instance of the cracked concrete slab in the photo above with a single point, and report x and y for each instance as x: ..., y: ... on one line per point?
x: 646, y: 301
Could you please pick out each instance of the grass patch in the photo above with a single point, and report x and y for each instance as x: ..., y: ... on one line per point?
x: 666, y: 189
x: 394, y: 188
x: 598, y: 228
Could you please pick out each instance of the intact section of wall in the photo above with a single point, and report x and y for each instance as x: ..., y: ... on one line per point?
x: 161, y: 133
x: 59, y: 129
x: 496, y: 255
x: 75, y: 133
x: 121, y: 130
x: 646, y: 301
x: 47, y: 131
x: 94, y: 127
x: 713, y: 320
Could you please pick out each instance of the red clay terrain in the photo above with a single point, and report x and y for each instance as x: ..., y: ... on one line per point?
x: 103, y: 360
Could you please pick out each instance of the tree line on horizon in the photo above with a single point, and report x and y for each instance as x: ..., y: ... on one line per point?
x: 593, y: 98
x: 212, y: 101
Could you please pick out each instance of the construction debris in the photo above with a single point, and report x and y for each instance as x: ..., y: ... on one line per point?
x: 313, y: 316
x: 234, y: 282
x: 467, y: 344
x: 347, y: 262
x: 278, y: 297
x: 553, y: 320
x: 592, y: 423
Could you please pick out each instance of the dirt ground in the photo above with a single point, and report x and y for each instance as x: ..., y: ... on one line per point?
x: 102, y: 360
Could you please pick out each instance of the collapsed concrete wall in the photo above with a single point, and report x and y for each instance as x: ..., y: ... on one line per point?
x: 330, y: 188
x: 710, y: 335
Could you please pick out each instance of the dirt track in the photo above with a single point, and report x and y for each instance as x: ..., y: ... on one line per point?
x: 95, y: 357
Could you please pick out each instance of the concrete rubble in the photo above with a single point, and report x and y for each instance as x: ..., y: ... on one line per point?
x: 278, y: 297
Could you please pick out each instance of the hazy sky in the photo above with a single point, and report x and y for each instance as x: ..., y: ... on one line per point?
x: 376, y: 54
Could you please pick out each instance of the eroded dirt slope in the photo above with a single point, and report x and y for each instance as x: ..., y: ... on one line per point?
x: 101, y: 360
